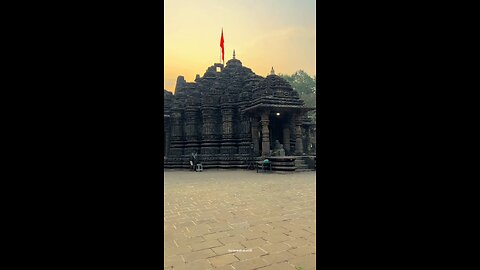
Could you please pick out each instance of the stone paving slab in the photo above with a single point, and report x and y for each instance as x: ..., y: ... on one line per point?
x: 278, y: 266
x: 206, y: 244
x: 223, y: 260
x: 258, y: 242
x: 239, y: 220
x: 202, y: 264
x: 197, y: 255
x: 250, y: 264
x: 278, y: 257
x: 173, y: 261
x: 306, y: 262
x: 228, y: 248
x: 226, y: 267
x: 254, y: 253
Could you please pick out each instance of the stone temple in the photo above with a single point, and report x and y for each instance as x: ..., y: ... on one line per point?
x: 232, y: 116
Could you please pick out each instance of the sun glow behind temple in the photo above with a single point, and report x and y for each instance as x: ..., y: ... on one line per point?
x: 263, y: 33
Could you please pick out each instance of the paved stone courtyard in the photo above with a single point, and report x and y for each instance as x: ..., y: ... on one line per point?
x: 240, y: 219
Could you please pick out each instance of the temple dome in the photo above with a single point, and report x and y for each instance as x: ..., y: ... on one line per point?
x: 274, y: 85
x: 234, y: 62
x: 277, y: 81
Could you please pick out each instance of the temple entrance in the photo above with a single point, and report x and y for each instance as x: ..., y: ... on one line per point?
x: 276, y: 124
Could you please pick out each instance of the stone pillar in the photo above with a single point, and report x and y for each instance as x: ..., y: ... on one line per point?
x: 177, y: 126
x: 244, y: 126
x: 286, y: 138
x: 208, y: 147
x: 307, y: 139
x: 291, y: 126
x: 191, y: 131
x: 265, y: 134
x: 298, y: 136
x: 244, y: 133
x: 228, y: 146
x: 167, y: 136
x: 208, y: 123
x: 227, y: 119
x: 314, y: 139
x: 191, y: 119
x: 256, y: 147
x: 177, y: 134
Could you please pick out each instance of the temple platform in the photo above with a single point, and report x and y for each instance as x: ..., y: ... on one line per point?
x: 279, y: 163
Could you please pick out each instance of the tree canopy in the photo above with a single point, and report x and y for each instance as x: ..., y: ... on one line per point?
x: 306, y: 86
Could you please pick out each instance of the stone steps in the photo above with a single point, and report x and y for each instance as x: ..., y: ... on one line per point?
x: 300, y: 164
x: 303, y: 165
x: 284, y: 164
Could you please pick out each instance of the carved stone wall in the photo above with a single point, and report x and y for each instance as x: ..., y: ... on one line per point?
x: 208, y: 116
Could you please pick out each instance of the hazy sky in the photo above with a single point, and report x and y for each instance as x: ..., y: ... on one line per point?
x: 264, y: 33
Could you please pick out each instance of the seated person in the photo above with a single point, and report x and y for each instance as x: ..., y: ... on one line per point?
x: 266, y: 164
x: 278, y: 149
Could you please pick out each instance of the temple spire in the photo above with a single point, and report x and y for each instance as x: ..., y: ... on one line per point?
x: 233, y: 53
x: 272, y: 72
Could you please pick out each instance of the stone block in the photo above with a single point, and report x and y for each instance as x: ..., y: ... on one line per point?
x: 250, y: 264
x: 223, y: 260
x: 207, y: 244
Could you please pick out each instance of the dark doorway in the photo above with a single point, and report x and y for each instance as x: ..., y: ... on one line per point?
x: 276, y: 128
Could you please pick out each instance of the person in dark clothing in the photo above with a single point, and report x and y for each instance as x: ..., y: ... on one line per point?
x: 194, y: 160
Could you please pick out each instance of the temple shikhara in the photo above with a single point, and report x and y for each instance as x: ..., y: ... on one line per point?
x: 231, y: 115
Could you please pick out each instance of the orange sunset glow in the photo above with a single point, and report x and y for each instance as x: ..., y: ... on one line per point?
x: 263, y: 33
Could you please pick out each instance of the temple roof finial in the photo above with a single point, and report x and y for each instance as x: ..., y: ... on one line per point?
x: 272, y: 72
x: 233, y: 53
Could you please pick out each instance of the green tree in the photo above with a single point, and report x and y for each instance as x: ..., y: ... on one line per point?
x: 306, y: 86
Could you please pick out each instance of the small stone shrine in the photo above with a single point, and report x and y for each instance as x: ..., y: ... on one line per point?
x: 231, y: 115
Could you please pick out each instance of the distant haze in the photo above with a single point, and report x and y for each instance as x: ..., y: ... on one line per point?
x: 264, y: 33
